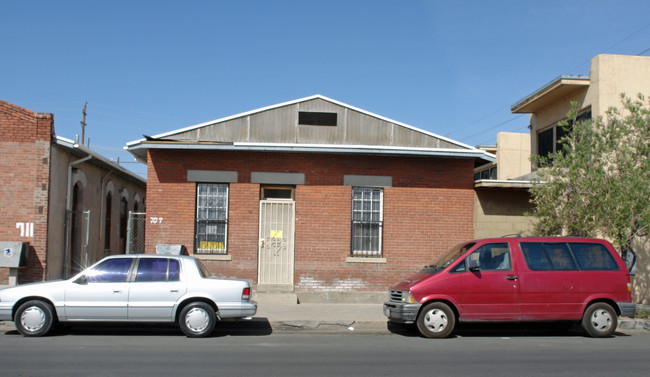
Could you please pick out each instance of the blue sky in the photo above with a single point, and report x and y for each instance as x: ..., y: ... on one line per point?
x: 449, y: 67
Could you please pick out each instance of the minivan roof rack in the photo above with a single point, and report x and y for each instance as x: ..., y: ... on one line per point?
x: 512, y: 235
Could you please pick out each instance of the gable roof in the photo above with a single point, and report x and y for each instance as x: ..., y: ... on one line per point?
x: 277, y: 128
x: 83, y: 152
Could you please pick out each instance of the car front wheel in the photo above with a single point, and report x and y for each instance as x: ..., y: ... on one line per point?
x: 197, y: 320
x: 34, y: 318
x: 600, y: 320
x: 436, y: 320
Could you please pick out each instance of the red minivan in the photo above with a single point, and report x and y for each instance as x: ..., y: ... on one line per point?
x: 517, y: 279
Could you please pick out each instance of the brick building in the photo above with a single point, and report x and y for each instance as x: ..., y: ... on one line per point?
x: 65, y: 203
x: 311, y: 195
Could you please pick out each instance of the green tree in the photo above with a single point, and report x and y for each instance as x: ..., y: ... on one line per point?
x: 598, y: 183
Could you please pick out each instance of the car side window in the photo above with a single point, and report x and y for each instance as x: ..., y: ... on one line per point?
x: 493, y: 257
x: 593, y: 256
x: 157, y: 269
x: 560, y: 256
x: 460, y: 267
x: 535, y: 256
x: 547, y: 256
x: 110, y: 271
x: 174, y: 270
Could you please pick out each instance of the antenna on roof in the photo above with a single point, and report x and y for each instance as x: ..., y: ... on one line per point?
x: 83, y: 126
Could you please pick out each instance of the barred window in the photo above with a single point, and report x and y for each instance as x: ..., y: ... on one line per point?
x: 367, y: 221
x: 211, y: 218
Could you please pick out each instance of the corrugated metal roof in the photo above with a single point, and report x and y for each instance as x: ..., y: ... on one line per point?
x: 451, y: 148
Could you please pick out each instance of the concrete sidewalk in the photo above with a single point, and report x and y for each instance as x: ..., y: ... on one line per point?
x: 312, y: 316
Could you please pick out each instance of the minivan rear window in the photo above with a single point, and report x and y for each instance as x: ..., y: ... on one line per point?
x: 593, y: 256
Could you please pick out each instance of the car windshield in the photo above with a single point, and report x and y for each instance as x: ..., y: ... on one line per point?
x: 447, y: 258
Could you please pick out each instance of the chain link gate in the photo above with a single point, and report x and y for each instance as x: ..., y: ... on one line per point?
x: 135, y: 232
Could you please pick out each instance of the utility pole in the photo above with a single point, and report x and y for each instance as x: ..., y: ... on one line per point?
x: 83, y: 126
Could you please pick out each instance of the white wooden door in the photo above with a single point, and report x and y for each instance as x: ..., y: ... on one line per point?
x: 276, y: 258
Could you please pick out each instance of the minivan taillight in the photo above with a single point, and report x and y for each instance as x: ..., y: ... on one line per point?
x: 629, y: 283
x: 246, y: 294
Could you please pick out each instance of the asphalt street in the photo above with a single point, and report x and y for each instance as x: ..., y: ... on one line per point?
x: 473, y: 351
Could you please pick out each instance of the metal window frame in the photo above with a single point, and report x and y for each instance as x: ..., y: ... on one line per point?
x: 264, y: 188
x: 198, y: 220
x: 380, y: 226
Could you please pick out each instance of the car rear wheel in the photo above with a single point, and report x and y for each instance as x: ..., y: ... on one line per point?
x: 436, y: 320
x: 197, y: 320
x: 600, y: 320
x: 34, y: 318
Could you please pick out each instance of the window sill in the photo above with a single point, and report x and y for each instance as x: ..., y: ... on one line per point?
x: 365, y: 260
x: 226, y: 257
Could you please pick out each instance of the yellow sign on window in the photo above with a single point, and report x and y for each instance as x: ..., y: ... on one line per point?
x: 276, y: 234
x: 207, y: 245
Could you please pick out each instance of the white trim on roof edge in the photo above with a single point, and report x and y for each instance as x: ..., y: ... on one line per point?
x: 321, y: 148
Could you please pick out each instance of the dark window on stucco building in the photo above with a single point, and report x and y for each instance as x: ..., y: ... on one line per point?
x: 549, y: 141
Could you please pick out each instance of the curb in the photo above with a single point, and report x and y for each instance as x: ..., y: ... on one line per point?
x: 330, y: 327
x: 261, y: 326
x: 633, y: 324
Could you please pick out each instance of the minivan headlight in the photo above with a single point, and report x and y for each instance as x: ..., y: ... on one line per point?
x: 408, y: 298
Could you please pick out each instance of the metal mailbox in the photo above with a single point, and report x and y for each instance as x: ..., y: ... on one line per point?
x: 171, y: 249
x: 14, y: 254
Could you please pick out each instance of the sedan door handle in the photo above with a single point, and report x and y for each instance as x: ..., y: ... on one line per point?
x: 116, y: 291
x: 173, y: 290
x: 512, y: 277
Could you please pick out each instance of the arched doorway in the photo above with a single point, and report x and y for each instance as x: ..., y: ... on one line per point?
x: 77, y: 220
x: 123, y: 224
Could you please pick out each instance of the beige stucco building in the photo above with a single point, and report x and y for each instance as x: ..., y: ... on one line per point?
x: 610, y: 75
x: 501, y: 196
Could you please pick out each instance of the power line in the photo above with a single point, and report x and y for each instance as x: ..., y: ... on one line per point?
x: 643, y: 52
x: 515, y: 130
x: 570, y: 70
x: 612, y: 46
x: 140, y: 112
x: 496, y: 126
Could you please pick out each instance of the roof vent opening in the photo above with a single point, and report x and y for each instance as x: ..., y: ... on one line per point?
x: 309, y: 118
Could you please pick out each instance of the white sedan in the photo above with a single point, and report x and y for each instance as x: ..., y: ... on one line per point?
x: 130, y: 288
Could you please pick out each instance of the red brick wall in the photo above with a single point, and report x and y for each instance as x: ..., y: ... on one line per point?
x: 428, y: 209
x: 25, y: 142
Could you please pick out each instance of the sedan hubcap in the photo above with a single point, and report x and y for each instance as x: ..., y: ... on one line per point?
x: 601, y: 320
x: 33, y: 319
x: 197, y: 319
x: 435, y: 320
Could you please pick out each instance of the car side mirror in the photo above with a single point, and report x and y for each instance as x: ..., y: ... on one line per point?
x: 474, y: 265
x: 82, y: 280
